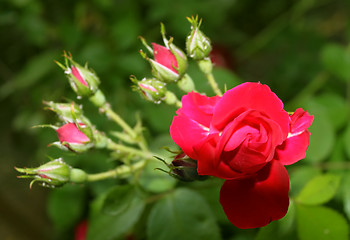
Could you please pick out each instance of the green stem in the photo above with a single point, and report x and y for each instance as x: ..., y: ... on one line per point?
x: 119, y: 147
x: 206, y: 66
x: 120, y: 171
x: 116, y: 118
x: 213, y: 83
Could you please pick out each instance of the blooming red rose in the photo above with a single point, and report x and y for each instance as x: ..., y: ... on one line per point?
x: 245, y: 137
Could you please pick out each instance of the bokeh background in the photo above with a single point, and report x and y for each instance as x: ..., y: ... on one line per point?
x: 300, y: 48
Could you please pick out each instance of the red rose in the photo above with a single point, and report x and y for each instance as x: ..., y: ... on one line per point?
x: 244, y: 137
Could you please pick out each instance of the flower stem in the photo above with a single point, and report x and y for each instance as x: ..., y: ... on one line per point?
x: 116, y: 118
x: 206, y: 66
x: 213, y: 84
x: 119, y: 147
x: 120, y: 171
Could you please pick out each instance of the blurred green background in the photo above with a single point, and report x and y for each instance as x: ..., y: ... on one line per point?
x: 299, y: 48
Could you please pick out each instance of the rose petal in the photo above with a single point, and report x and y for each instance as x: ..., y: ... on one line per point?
x: 300, y: 120
x: 293, y: 148
x: 164, y: 56
x: 70, y: 133
x: 205, y: 156
x: 255, y: 202
x: 248, y: 143
x: 186, y: 133
x: 250, y: 96
x: 198, y: 107
x: 76, y: 73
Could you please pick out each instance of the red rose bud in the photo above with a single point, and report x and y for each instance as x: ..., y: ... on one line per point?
x: 53, y: 174
x: 74, y: 138
x: 169, y: 63
x: 184, y: 169
x: 82, y: 80
x: 151, y: 89
x: 197, y: 44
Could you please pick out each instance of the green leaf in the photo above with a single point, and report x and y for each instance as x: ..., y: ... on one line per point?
x: 300, y: 176
x: 337, y: 60
x: 322, y: 133
x: 319, y: 190
x: 321, y: 223
x: 108, y: 221
x: 66, y: 205
x: 118, y: 199
x: 335, y: 108
x: 184, y: 215
x: 347, y: 141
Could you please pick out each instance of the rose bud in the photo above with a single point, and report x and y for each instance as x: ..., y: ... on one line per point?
x: 151, y: 89
x: 169, y: 63
x: 82, y: 80
x: 198, y: 45
x: 53, y: 174
x: 74, y: 138
x: 68, y: 112
x: 184, y: 169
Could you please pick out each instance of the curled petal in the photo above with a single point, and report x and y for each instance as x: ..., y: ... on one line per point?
x: 250, y: 96
x: 198, y: 107
x: 255, y: 202
x: 300, y: 120
x: 186, y: 133
x: 205, y: 154
x: 293, y: 148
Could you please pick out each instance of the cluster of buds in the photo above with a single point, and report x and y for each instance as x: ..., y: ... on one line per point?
x: 169, y: 64
x: 54, y: 174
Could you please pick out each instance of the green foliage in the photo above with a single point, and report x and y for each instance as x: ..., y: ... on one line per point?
x: 115, y: 213
x: 318, y: 222
x: 336, y: 59
x: 183, y: 214
x: 319, y: 190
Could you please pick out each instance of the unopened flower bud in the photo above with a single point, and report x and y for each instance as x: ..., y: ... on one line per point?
x: 53, y: 174
x: 151, y: 89
x: 197, y: 44
x: 82, y: 80
x: 75, y: 138
x: 68, y: 112
x: 169, y: 63
x: 183, y: 168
